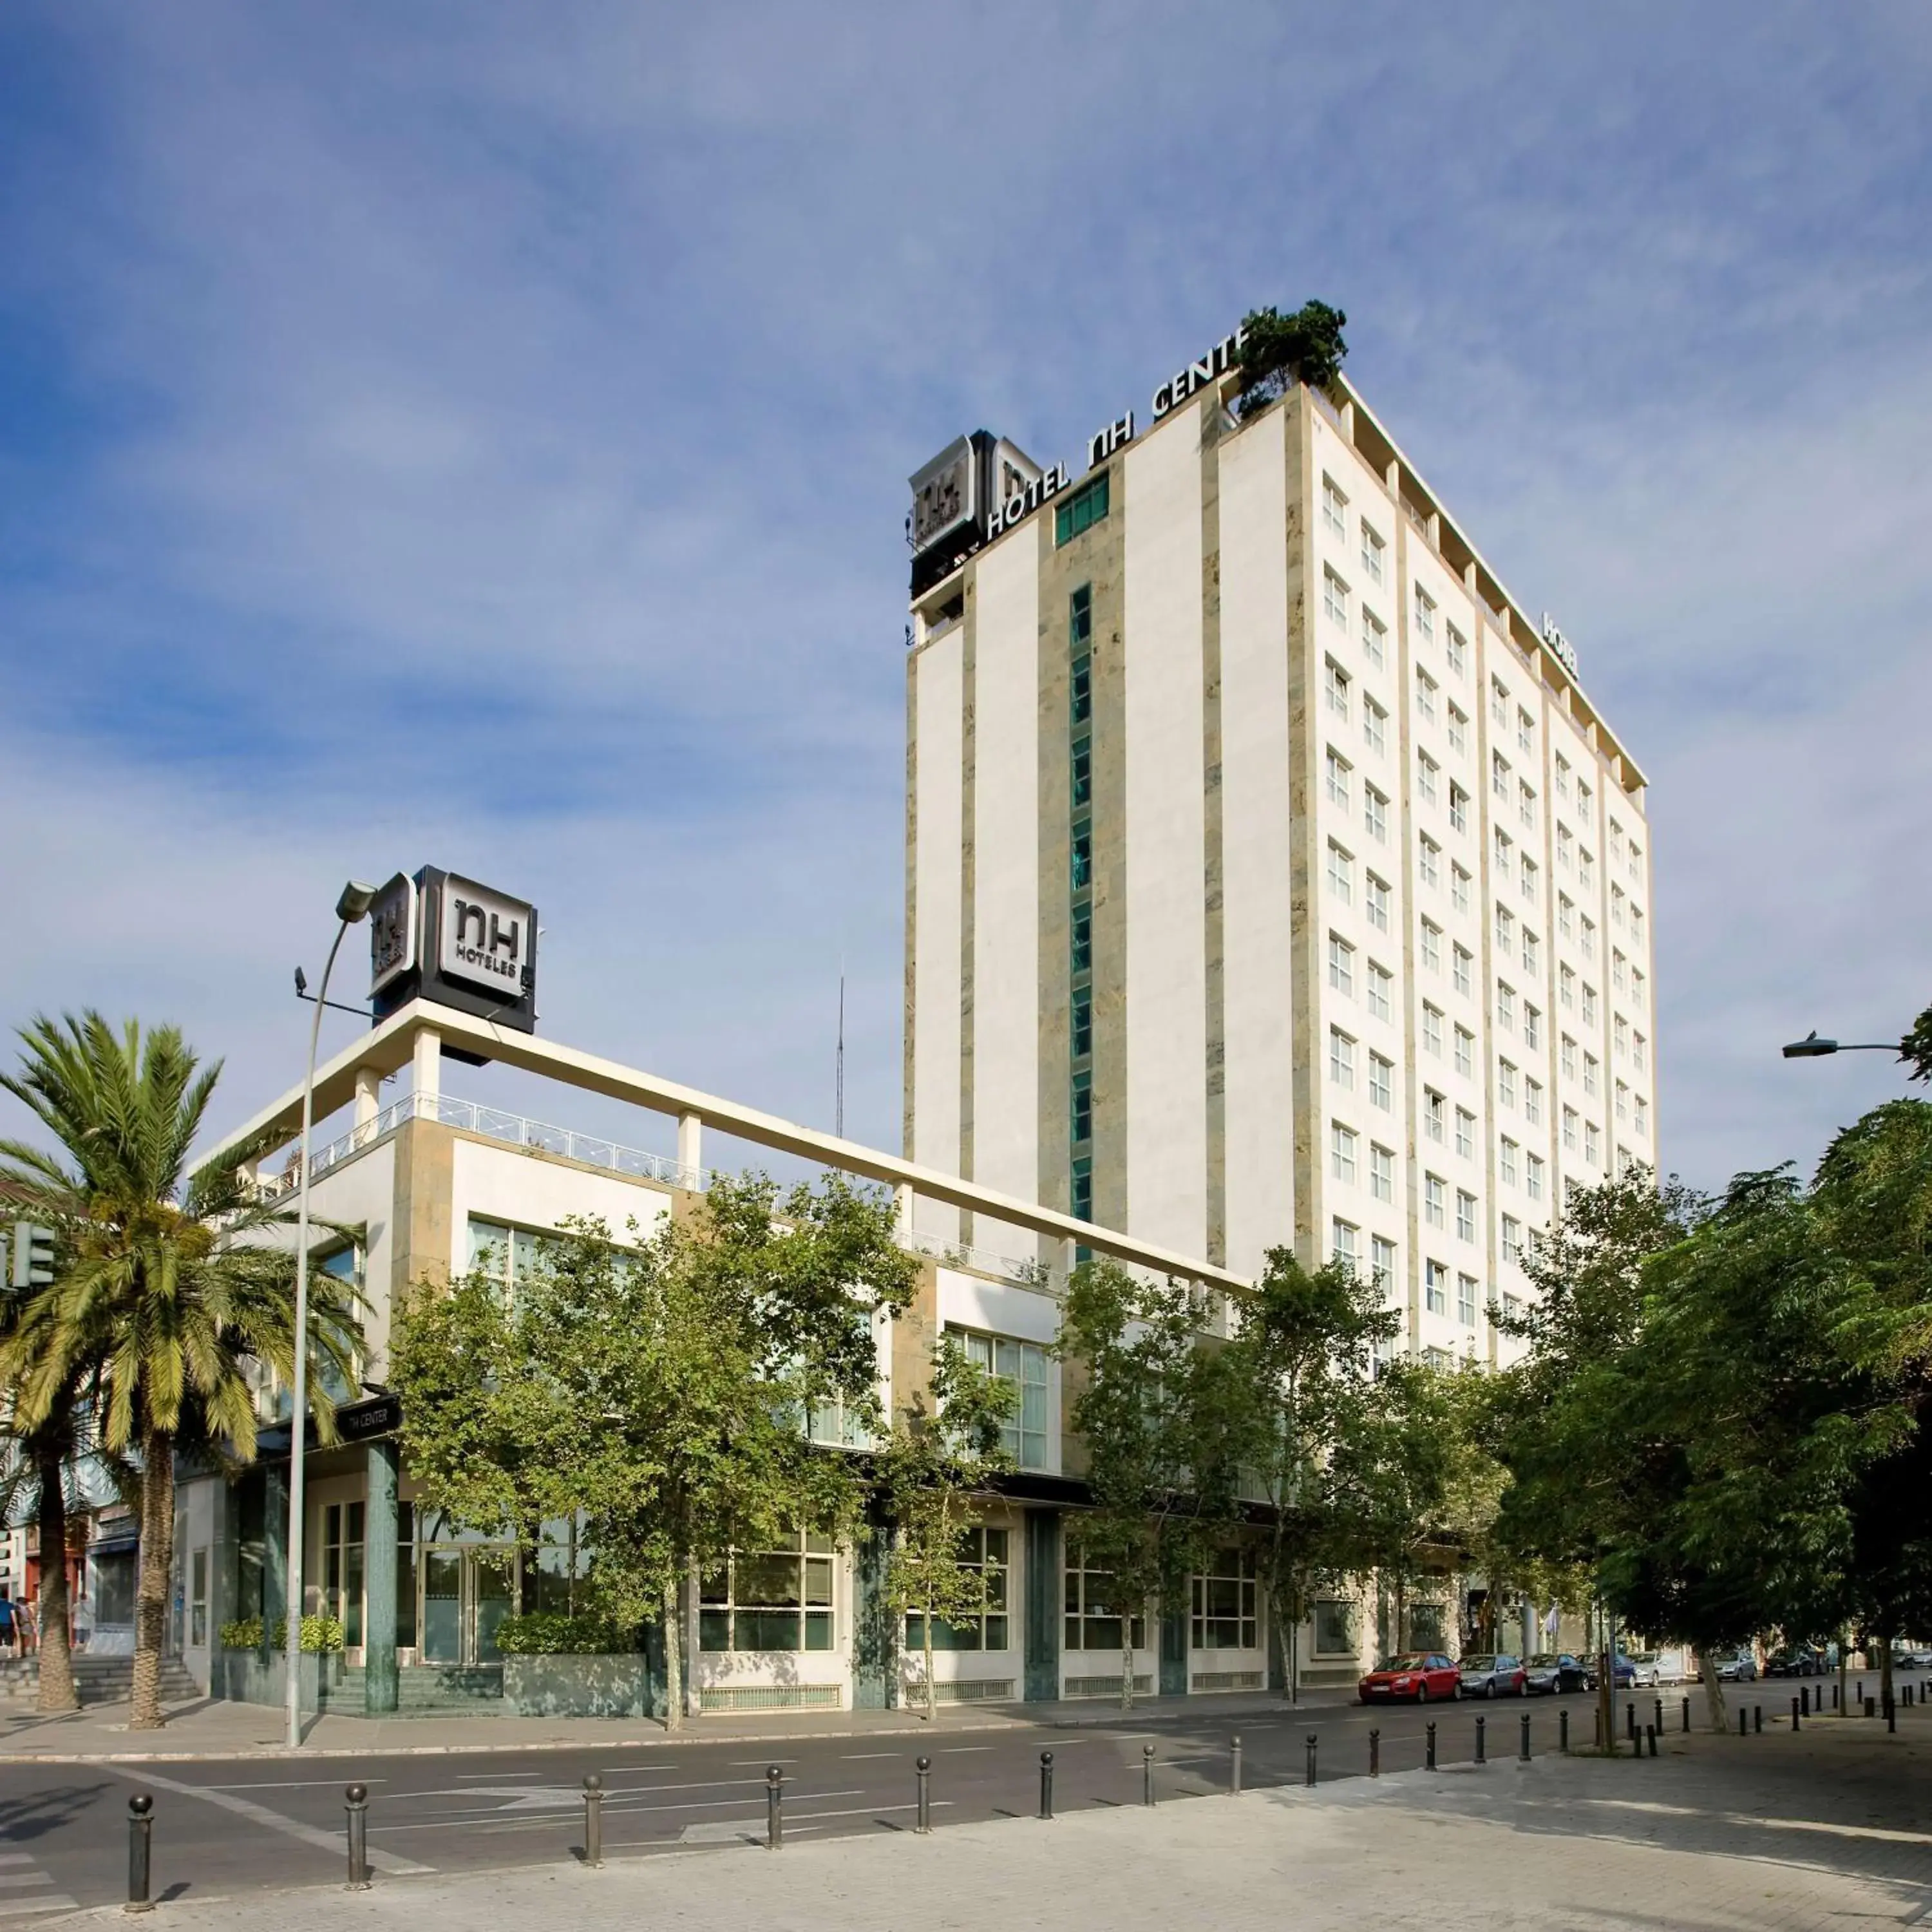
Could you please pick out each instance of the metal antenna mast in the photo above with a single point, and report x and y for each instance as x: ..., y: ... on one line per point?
x: 839, y: 1121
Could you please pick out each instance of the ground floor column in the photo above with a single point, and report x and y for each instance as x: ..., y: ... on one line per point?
x: 378, y: 1580
x: 875, y: 1650
x: 1174, y: 1651
x: 1044, y: 1587
x: 274, y: 1557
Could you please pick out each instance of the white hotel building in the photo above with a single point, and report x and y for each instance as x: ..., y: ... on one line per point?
x: 1271, y: 879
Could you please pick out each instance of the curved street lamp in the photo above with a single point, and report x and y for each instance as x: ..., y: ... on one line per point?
x: 351, y: 907
x: 1812, y: 1047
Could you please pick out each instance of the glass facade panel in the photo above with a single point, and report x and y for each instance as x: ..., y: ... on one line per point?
x: 777, y: 1599
x: 1224, y: 1609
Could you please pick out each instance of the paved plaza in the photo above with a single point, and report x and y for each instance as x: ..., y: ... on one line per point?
x: 1826, y: 1828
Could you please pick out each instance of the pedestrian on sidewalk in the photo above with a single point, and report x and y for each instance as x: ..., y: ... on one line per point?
x: 7, y: 1631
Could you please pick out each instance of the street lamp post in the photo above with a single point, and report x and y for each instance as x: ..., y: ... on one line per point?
x: 350, y: 907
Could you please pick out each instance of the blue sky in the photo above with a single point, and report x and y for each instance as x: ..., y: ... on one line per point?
x: 477, y: 435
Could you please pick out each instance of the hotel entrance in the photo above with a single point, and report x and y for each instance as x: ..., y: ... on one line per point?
x: 466, y: 1591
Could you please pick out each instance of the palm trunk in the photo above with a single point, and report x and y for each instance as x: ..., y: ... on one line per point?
x: 673, y: 1658
x: 157, y: 1554
x: 58, y: 1695
x: 1713, y: 1691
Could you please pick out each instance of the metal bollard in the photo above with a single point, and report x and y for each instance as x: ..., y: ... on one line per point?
x: 355, y: 1802
x: 1234, y: 1768
x: 1744, y: 1723
x: 593, y: 1820
x: 1871, y: 1707
x: 1482, y: 1757
x: 1147, y: 1773
x: 1563, y: 1733
x: 1524, y: 1753
x: 1805, y: 1698
x: 1891, y: 1713
x: 1835, y: 1697
x: 1046, y: 1784
x: 1796, y: 1719
x: 1596, y: 1730
x: 1429, y: 1757
x: 1858, y: 1691
x: 1375, y: 1753
x: 1659, y: 1703
x: 1311, y: 1757
x: 1687, y: 1716
x: 1630, y: 1720
x: 140, y: 1836
x: 1650, y: 1737
x: 922, y: 1770
x: 1757, y: 1719
x: 774, y: 1808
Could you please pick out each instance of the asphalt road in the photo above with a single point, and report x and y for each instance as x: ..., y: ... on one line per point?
x: 224, y: 1827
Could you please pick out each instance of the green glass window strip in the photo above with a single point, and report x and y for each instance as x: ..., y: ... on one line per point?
x: 1083, y: 1109
x: 1083, y: 1189
x: 1082, y: 510
x: 1080, y: 618
x: 1083, y: 1023
x: 1080, y: 700
x: 1083, y: 857
x: 1082, y: 949
x: 1083, y: 774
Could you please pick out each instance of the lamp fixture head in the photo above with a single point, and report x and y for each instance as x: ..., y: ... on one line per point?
x: 355, y: 902
x: 1810, y: 1047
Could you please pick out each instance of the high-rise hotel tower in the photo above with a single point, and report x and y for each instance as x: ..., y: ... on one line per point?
x: 1270, y: 880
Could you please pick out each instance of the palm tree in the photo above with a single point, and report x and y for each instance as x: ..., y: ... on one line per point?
x: 166, y: 1290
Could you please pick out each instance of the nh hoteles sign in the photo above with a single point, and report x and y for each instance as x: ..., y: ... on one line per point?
x: 444, y: 937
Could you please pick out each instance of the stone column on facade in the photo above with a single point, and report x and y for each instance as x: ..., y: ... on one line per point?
x: 380, y: 1685
x: 368, y: 1100
x: 875, y: 1650
x: 1042, y: 1579
x: 426, y: 1066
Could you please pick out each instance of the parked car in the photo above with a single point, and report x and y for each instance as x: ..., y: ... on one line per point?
x: 1741, y: 1669
x: 1797, y: 1659
x: 1623, y: 1675
x: 1550, y: 1672
x: 1646, y: 1674
x: 1909, y: 1657
x: 1414, y: 1677
x: 1500, y: 1675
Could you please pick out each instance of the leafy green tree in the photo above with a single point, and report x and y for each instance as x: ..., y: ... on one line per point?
x: 1277, y: 349
x: 168, y: 1297
x: 1392, y: 1470
x: 1302, y: 1363
x: 664, y: 1392
x: 944, y: 1450
x: 1161, y: 1416
x: 1696, y: 1411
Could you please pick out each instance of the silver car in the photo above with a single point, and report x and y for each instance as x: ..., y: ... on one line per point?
x: 1500, y: 1675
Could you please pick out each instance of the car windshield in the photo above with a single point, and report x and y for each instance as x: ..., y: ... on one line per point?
x: 1408, y: 1660
x: 1479, y: 1663
x: 1544, y: 1660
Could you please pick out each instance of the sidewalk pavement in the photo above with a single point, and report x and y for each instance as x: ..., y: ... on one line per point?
x: 1719, y: 1833
x: 214, y: 1728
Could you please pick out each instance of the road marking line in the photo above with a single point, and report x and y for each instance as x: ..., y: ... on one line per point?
x: 290, y: 1784
x: 17, y: 1858
x: 57, y: 1901
x: 24, y: 1878
x: 495, y: 1821
x: 331, y: 1842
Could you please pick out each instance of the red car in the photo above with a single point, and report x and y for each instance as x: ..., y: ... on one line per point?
x: 1414, y: 1677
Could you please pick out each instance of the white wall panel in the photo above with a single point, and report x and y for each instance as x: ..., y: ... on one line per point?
x: 939, y: 800
x: 1166, y: 1100
x: 1256, y: 917
x: 1005, y: 901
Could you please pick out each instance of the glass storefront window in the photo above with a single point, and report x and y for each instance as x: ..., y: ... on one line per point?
x: 1334, y: 1628
x: 342, y: 1567
x: 1224, y: 1615
x: 778, y: 1599
x: 1094, y: 1607
x: 982, y: 1551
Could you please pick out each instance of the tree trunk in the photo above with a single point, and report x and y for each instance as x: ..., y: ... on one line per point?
x: 58, y: 1695
x: 1844, y: 1665
x: 157, y: 1556
x: 931, y: 1689
x: 673, y: 1646
x: 1127, y: 1663
x: 1714, y: 1691
x: 1293, y: 1658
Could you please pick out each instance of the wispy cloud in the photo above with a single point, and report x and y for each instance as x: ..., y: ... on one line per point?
x: 449, y: 433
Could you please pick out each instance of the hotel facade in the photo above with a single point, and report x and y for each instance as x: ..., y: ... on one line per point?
x: 1271, y: 880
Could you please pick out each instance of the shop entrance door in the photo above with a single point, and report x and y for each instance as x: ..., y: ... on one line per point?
x: 467, y: 1593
